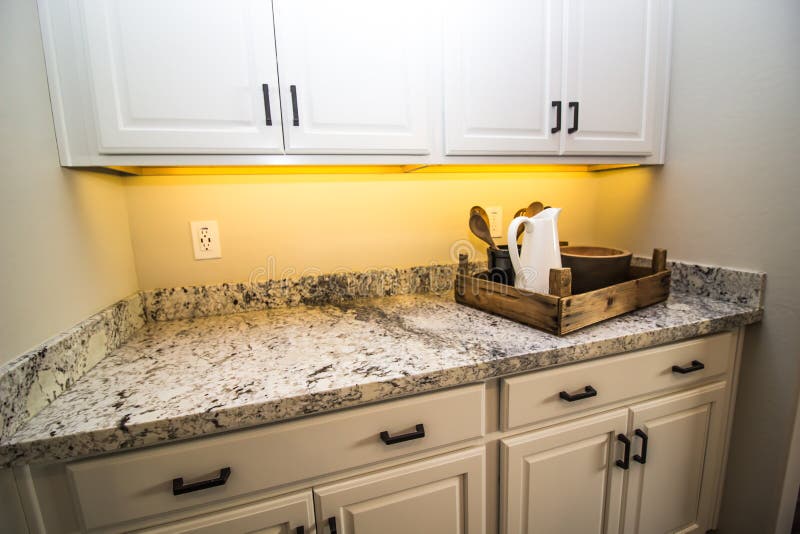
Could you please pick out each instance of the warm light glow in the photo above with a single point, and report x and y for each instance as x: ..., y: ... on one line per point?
x: 360, y: 169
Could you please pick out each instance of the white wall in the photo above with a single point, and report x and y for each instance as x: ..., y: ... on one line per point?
x: 65, y: 249
x: 728, y: 195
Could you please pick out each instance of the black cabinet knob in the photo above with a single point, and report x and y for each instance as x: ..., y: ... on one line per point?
x: 588, y: 391
x: 697, y: 365
x: 418, y: 433
x: 179, y: 488
x: 575, y: 107
x: 642, y: 459
x: 625, y: 463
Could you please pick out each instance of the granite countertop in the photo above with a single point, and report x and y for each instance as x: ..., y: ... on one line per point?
x: 186, y: 378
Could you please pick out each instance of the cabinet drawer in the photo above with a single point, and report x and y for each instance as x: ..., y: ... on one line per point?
x: 133, y: 485
x: 274, y: 516
x: 536, y: 396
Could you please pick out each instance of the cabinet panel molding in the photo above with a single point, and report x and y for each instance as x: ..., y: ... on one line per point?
x: 186, y: 76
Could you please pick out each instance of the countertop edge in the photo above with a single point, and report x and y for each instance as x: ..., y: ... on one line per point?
x: 253, y: 415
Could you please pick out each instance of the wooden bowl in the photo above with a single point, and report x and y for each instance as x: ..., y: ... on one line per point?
x: 595, y: 267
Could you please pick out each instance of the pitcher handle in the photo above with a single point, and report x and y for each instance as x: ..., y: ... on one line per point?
x: 513, y: 253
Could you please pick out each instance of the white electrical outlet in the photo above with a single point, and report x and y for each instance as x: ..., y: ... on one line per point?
x: 495, y: 214
x: 205, y: 240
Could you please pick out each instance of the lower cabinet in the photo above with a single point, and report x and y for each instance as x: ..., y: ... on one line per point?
x: 437, y: 496
x: 564, y: 478
x: 283, y: 515
x: 630, y: 444
x: 673, y: 484
x: 444, y: 494
x: 649, y: 468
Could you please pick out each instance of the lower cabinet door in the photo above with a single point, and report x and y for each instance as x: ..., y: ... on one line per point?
x: 441, y: 495
x: 289, y: 514
x: 565, y: 478
x: 672, y: 486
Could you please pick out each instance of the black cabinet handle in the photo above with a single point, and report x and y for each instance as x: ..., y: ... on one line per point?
x: 697, y: 365
x: 626, y: 463
x: 300, y: 530
x: 574, y: 106
x: 419, y: 432
x: 332, y: 524
x: 179, y: 488
x: 295, y: 114
x: 589, y: 391
x: 643, y: 458
x: 557, y: 128
x: 267, y: 110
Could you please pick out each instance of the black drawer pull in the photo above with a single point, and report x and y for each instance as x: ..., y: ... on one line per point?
x: 575, y: 107
x: 390, y: 440
x: 267, y: 110
x: 643, y: 458
x: 589, y: 391
x: 697, y: 365
x: 300, y: 530
x: 295, y: 114
x: 179, y: 488
x: 557, y: 128
x: 332, y: 524
x: 626, y: 463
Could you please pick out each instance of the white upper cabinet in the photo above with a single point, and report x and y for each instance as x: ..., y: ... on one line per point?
x: 502, y: 78
x: 616, y: 72
x: 317, y: 82
x: 183, y: 77
x: 511, y: 66
x: 354, y: 76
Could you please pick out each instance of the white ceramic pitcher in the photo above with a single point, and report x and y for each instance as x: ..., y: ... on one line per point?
x: 540, y: 250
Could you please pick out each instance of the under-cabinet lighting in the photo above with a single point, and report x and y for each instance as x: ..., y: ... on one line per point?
x: 357, y: 169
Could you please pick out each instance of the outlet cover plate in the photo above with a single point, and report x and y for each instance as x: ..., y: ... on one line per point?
x: 495, y: 214
x: 205, y: 240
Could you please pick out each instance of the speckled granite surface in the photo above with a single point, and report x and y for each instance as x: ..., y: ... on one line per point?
x: 188, y: 378
x: 222, y: 299
x: 34, y: 379
x: 720, y: 283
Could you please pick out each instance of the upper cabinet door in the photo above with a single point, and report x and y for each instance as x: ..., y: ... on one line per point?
x: 183, y: 77
x: 502, y: 77
x: 354, y: 76
x: 616, y: 71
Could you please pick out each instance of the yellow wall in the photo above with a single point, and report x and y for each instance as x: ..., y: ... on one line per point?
x: 323, y: 223
x: 65, y: 248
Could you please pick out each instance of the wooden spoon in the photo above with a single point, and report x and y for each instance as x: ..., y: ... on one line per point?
x: 480, y: 211
x: 532, y: 209
x: 480, y: 227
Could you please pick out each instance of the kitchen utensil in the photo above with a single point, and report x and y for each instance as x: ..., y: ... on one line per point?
x: 500, y: 266
x: 539, y: 252
x: 480, y: 211
x: 480, y: 227
x: 595, y: 267
x: 534, y: 208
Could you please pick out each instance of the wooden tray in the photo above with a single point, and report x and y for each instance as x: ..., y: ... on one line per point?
x: 561, y: 312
